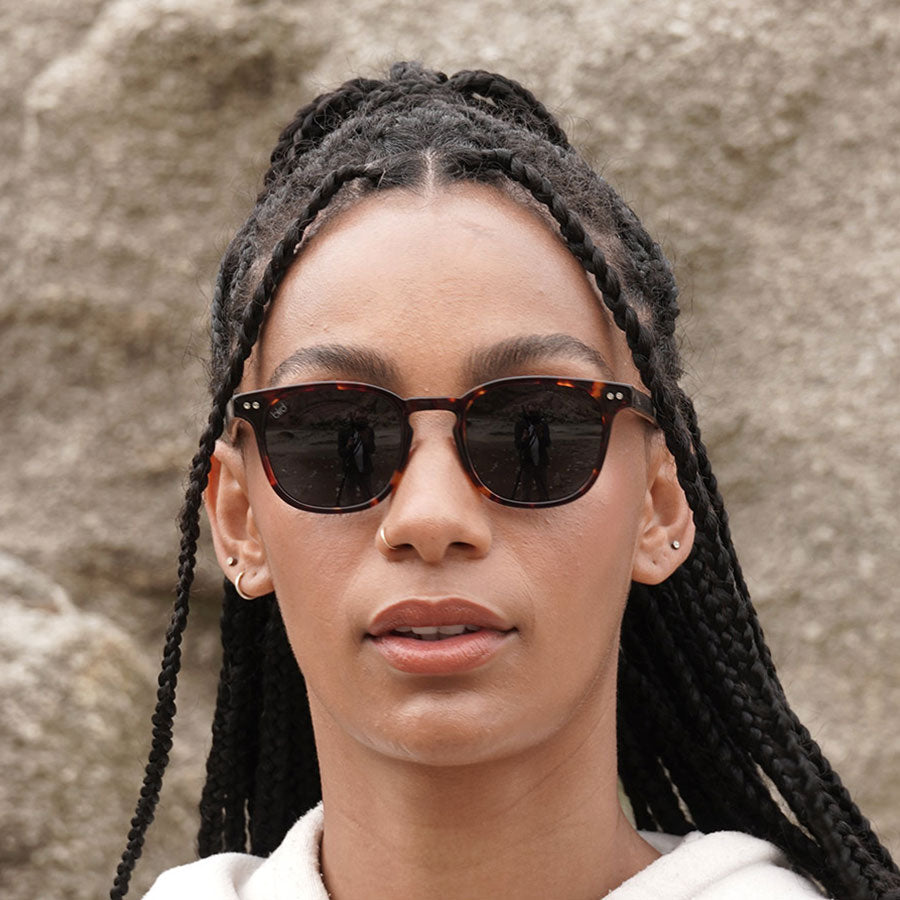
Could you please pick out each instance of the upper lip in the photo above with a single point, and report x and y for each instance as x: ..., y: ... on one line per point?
x: 447, y: 611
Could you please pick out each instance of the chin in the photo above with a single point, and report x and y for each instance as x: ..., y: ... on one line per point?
x: 447, y: 730
x: 447, y: 748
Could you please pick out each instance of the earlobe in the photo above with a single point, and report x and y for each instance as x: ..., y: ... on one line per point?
x: 667, y: 531
x: 239, y: 549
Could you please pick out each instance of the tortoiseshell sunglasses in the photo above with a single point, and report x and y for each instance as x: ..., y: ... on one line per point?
x: 339, y: 446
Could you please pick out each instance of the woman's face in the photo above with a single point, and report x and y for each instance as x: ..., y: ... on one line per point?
x: 418, y: 287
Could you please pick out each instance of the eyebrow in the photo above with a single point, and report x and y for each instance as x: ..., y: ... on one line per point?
x: 358, y: 363
x: 514, y: 354
x: 506, y: 357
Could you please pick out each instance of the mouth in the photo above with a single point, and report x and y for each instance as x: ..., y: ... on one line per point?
x: 433, y: 632
x: 431, y: 620
x: 438, y: 637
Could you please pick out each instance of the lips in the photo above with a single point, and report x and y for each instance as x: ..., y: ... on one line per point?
x: 436, y: 613
x: 438, y: 637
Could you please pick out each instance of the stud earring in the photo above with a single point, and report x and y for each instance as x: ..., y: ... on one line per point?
x: 676, y: 545
x: 232, y: 561
x: 237, y: 587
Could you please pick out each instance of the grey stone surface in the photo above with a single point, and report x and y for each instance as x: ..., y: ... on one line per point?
x: 758, y: 139
x: 73, y: 712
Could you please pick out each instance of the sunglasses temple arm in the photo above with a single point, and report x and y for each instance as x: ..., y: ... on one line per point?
x: 642, y: 404
x: 229, y: 426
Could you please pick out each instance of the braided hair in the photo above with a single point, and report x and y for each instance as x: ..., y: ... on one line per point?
x: 706, y: 737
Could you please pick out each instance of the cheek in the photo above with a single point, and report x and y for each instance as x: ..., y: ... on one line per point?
x: 582, y: 556
x: 589, y: 545
x: 312, y: 558
x: 316, y: 565
x: 312, y: 564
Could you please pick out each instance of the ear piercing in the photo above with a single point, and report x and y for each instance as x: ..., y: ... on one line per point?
x: 237, y: 587
x: 232, y: 561
x: 387, y: 543
x: 676, y: 545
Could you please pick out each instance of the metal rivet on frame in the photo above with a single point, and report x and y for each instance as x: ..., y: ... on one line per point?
x: 620, y: 396
x: 610, y: 395
x: 246, y: 404
x: 256, y: 404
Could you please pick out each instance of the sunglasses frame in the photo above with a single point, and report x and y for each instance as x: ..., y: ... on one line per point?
x: 612, y: 396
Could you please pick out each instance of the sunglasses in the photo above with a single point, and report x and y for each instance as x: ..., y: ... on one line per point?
x: 340, y: 446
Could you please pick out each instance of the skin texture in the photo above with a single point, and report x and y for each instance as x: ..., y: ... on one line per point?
x: 500, y: 781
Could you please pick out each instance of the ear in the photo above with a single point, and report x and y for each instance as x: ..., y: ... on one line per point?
x: 234, y: 532
x: 667, y: 523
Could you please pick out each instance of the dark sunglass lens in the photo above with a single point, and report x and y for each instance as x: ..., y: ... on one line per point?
x: 331, y: 447
x: 534, y: 442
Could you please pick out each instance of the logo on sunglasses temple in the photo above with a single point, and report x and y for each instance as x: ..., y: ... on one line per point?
x: 532, y: 441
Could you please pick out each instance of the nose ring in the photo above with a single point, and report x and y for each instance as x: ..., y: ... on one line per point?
x: 384, y: 539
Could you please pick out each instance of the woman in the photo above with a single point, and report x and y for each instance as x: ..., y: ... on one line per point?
x: 478, y: 673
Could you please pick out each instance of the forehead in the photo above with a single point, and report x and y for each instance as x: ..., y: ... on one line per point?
x: 426, y: 279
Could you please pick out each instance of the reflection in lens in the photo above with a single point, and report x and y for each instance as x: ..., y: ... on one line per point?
x: 334, y: 448
x: 531, y: 442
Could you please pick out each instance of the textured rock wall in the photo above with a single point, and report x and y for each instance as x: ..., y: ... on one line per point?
x: 758, y: 139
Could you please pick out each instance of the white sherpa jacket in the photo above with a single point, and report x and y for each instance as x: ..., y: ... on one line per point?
x: 725, y: 865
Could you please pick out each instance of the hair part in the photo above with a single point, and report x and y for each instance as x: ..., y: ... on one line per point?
x: 706, y: 736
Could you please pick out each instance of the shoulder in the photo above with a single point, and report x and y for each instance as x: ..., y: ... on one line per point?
x: 290, y: 873
x: 723, y: 865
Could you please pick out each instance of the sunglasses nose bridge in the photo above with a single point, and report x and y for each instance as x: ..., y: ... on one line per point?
x: 421, y: 404
x: 439, y: 404
x: 430, y: 404
x: 433, y: 404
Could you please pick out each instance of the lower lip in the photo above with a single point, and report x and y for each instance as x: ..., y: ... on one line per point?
x: 460, y: 653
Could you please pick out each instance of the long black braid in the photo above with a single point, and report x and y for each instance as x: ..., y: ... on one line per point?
x: 706, y: 737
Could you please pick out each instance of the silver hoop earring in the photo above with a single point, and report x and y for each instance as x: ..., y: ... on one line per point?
x: 384, y: 539
x: 237, y: 587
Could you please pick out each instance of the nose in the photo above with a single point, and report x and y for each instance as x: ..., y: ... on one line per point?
x: 435, y: 510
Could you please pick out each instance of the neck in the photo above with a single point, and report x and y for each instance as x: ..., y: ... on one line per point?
x: 545, y: 822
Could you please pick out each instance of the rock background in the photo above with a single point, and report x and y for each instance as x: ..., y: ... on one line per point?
x: 759, y: 140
